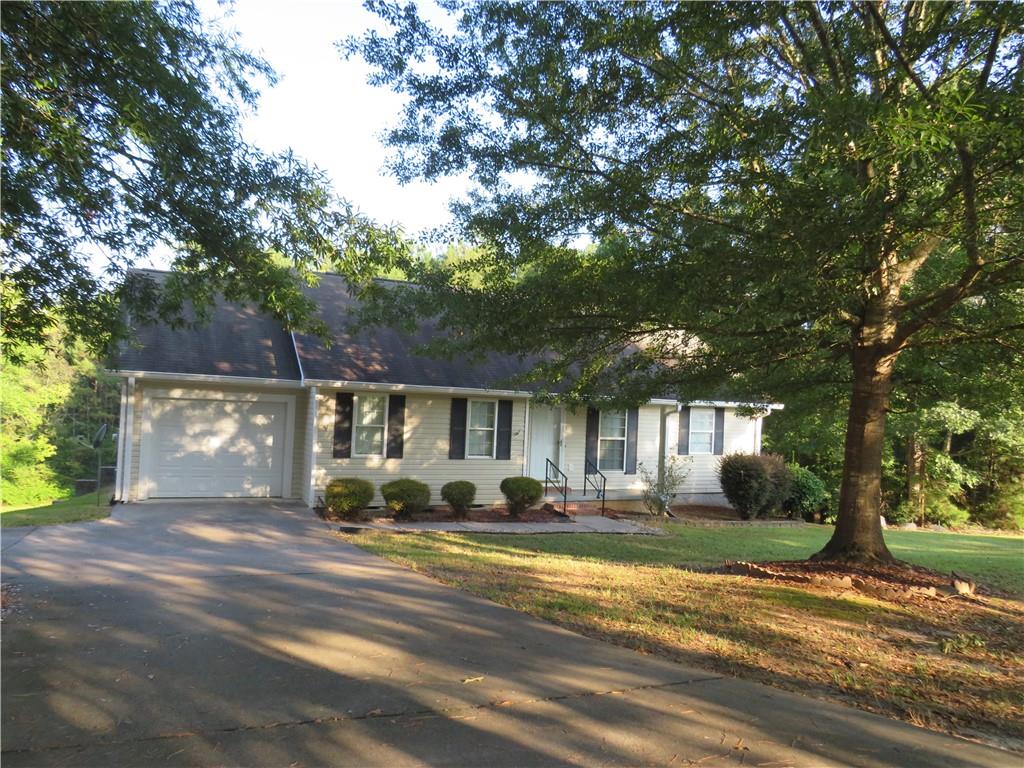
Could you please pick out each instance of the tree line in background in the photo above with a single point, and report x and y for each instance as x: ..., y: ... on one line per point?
x: 55, y: 397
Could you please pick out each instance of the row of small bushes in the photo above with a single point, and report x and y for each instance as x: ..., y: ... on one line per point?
x: 760, y: 485
x: 347, y: 497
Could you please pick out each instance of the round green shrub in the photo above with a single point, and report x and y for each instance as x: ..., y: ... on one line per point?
x: 745, y: 482
x: 407, y: 497
x: 459, y: 494
x: 521, y: 493
x: 346, y: 497
x: 807, y: 494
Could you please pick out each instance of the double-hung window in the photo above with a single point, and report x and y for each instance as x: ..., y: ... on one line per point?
x: 482, y: 428
x: 611, y: 441
x: 371, y: 418
x: 702, y: 430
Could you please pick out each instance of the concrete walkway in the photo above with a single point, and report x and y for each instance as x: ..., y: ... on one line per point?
x: 209, y: 634
x: 580, y: 524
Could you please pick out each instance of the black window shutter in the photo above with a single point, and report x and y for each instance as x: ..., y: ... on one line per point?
x: 396, y: 426
x: 343, y: 425
x: 593, y: 424
x: 457, y: 429
x: 632, y: 424
x: 684, y: 431
x: 504, y: 448
x: 719, y: 431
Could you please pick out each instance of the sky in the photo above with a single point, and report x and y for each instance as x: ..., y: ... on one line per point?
x: 325, y: 111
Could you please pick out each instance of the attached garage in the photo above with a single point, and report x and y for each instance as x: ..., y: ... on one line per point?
x: 215, y: 444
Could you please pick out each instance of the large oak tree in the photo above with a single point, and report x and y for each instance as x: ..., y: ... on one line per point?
x: 783, y: 195
x: 121, y: 133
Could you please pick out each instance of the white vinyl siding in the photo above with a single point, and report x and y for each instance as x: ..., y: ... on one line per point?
x: 369, y: 425
x: 481, y: 428
x: 425, y: 451
x: 611, y: 441
x: 702, y: 431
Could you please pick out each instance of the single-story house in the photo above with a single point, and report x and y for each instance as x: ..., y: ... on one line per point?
x: 241, y: 407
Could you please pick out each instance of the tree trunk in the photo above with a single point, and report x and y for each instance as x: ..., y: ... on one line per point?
x: 858, y: 534
x: 915, y: 476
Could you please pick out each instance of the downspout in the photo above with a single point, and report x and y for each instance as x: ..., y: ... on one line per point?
x: 309, y: 449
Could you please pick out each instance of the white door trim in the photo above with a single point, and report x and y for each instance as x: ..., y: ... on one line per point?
x: 146, y: 452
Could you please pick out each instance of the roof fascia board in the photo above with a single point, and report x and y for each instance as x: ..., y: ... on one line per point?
x: 426, y: 388
x: 210, y: 378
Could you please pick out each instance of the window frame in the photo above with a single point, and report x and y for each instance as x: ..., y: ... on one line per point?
x: 493, y: 429
x: 384, y: 428
x: 711, y: 432
x: 624, y: 439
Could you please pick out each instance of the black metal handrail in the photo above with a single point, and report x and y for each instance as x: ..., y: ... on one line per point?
x: 558, y: 481
x: 589, y: 471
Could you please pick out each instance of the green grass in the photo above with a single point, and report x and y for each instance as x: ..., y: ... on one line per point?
x: 73, y: 510
x: 994, y: 560
x: 945, y: 663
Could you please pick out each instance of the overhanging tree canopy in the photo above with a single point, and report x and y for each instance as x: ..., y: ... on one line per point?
x: 121, y: 133
x: 784, y: 194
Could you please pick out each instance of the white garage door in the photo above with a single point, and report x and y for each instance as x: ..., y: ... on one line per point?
x: 215, y: 448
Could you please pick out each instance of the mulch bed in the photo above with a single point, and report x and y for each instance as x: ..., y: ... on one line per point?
x: 481, y: 515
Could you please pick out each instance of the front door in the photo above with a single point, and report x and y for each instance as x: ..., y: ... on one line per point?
x: 545, y: 425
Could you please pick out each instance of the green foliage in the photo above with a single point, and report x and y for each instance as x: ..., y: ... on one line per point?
x: 657, y: 492
x: 54, y: 399
x: 777, y: 192
x: 346, y: 497
x: 900, y: 514
x: 1004, y: 509
x: 960, y: 643
x: 941, y: 510
x: 747, y: 483
x: 807, y: 496
x: 521, y: 493
x: 460, y: 495
x: 406, y: 497
x: 120, y: 132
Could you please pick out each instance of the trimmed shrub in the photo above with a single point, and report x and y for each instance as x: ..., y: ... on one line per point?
x: 346, y: 497
x: 406, y: 496
x: 459, y: 494
x: 755, y: 485
x: 807, y: 494
x: 780, y: 478
x: 521, y: 493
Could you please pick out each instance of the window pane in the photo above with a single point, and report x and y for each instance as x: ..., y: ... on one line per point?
x: 613, y: 423
x: 700, y: 442
x: 479, y: 442
x: 610, y: 454
x: 481, y: 415
x: 370, y: 440
x: 371, y: 410
x: 702, y: 420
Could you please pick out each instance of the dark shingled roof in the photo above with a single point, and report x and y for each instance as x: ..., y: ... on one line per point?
x: 237, y: 341
x: 383, y: 355
x: 241, y: 341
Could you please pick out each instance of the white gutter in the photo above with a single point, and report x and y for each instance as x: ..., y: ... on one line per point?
x: 383, y: 387
x: 210, y: 378
x: 309, y: 487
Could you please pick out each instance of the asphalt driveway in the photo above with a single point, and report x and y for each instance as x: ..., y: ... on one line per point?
x: 201, y: 633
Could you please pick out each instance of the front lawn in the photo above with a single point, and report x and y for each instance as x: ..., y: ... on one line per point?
x: 948, y: 663
x: 73, y: 510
